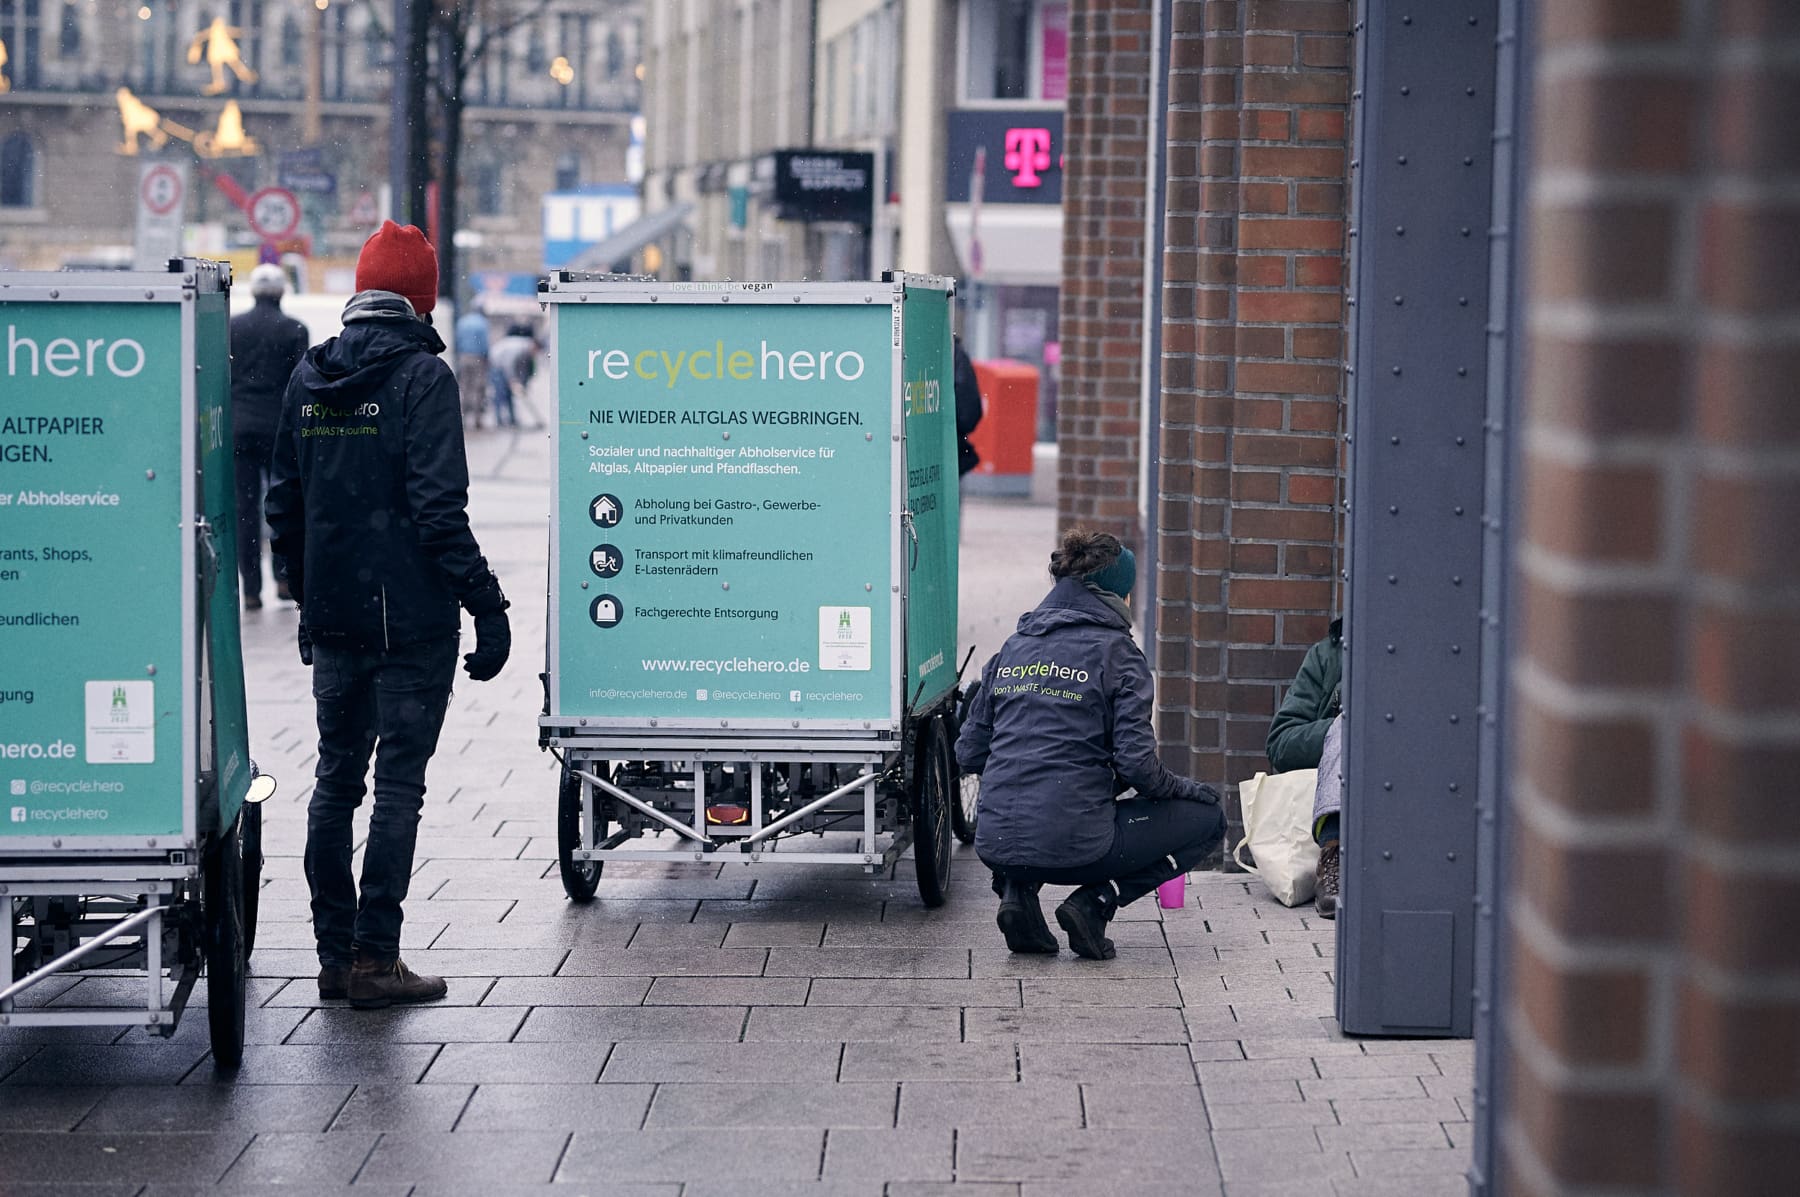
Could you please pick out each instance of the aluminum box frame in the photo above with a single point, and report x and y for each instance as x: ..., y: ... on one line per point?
x: 754, y: 742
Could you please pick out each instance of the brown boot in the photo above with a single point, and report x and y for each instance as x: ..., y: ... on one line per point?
x: 334, y: 982
x: 1325, y: 899
x: 378, y: 983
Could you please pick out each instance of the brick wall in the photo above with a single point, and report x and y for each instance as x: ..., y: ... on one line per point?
x: 1252, y: 343
x: 1654, y: 1030
x: 1107, y: 139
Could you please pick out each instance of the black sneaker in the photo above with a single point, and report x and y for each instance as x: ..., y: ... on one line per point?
x: 253, y: 602
x: 1021, y: 920
x: 1084, y: 915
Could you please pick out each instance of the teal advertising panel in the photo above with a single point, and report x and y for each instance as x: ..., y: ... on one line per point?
x: 91, y: 584
x: 932, y: 493
x: 725, y: 513
x: 225, y: 753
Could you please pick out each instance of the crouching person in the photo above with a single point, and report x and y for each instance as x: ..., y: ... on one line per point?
x: 1060, y: 727
x: 368, y: 509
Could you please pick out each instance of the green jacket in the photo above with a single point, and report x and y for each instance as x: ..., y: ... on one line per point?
x: 1297, y: 736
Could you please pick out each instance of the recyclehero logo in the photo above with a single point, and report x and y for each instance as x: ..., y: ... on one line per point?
x: 716, y: 363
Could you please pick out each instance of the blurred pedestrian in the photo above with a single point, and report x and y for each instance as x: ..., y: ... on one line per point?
x: 265, y: 347
x: 472, y: 362
x: 969, y: 408
x: 511, y: 364
x: 369, y: 510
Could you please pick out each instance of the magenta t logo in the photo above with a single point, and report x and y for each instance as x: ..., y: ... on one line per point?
x: 1027, y: 152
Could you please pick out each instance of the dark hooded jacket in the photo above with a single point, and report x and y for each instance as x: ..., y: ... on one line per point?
x: 968, y: 408
x: 1297, y: 734
x: 266, y: 346
x: 1060, y: 726
x: 370, y: 487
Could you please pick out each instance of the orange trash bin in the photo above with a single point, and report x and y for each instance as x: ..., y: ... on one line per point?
x: 1008, y: 428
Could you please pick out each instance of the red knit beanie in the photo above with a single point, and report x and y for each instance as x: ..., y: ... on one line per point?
x: 399, y: 259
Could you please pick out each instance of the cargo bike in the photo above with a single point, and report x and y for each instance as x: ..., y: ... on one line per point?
x: 751, y: 650
x: 130, y: 847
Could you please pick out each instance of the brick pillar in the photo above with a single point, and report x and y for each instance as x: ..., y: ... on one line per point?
x: 1654, y: 1030
x: 1102, y: 324
x: 1252, y: 344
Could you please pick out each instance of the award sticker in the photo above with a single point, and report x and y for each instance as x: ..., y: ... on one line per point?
x: 121, y: 723
x: 844, y: 638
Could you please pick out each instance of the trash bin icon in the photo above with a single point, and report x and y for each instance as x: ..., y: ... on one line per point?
x: 606, y: 611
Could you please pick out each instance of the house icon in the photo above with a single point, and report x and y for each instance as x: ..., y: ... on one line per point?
x: 605, y: 510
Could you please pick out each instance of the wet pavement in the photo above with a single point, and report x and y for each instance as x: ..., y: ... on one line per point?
x: 703, y: 1030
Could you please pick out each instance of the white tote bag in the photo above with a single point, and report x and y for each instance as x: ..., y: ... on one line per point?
x: 1278, y: 828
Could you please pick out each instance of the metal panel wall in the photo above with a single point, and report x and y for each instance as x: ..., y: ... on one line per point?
x: 1423, y: 192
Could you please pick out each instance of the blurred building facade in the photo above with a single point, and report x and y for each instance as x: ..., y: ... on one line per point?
x: 549, y: 109
x: 938, y: 123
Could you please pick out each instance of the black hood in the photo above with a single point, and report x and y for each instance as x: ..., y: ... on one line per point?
x: 1068, y: 604
x: 359, y: 360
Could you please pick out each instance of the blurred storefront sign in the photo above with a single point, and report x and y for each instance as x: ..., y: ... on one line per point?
x: 825, y: 185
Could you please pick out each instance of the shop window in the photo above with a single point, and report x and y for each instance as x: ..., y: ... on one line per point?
x: 291, y: 45
x: 490, y: 196
x: 568, y: 172
x: 376, y: 46
x: 18, y: 172
x: 68, y: 34
x: 1015, y: 49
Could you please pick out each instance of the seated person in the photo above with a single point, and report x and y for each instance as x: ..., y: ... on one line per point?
x: 1060, y: 726
x: 1297, y: 741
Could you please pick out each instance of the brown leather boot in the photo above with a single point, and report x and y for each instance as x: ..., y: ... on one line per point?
x: 375, y: 984
x: 334, y: 982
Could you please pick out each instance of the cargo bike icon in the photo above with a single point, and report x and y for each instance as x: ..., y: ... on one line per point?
x: 759, y: 664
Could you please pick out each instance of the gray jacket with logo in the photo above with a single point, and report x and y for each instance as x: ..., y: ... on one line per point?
x: 1062, y: 724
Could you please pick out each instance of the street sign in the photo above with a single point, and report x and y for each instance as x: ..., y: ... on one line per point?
x: 162, y: 203
x: 274, y: 213
x: 825, y: 185
x: 304, y: 171
x: 364, y: 211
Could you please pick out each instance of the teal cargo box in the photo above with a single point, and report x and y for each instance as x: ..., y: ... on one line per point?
x: 121, y: 688
x: 755, y: 513
x: 130, y: 838
x: 752, y: 592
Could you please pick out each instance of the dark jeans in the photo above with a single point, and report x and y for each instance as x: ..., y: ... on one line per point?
x: 392, y: 705
x: 1327, y: 829
x: 1154, y: 840
x: 250, y: 463
x: 500, y: 394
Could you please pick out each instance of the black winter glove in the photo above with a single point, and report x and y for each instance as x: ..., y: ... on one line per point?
x: 484, y: 597
x: 305, y: 638
x: 1199, y: 791
x: 493, y: 644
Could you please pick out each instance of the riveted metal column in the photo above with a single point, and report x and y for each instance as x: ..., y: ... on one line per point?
x: 1423, y: 192
x: 1505, y: 365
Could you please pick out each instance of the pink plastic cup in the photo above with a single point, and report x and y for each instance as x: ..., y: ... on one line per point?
x: 1172, y: 894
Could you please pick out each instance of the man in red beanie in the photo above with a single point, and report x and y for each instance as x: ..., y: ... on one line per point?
x: 369, y: 511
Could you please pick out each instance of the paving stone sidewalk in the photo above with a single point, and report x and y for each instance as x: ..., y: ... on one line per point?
x: 712, y: 1030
